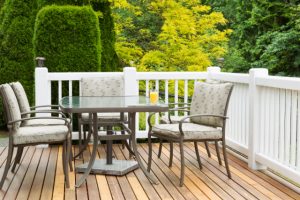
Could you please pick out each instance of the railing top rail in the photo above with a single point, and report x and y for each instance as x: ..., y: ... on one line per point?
x: 231, y: 77
x: 171, y: 75
x: 290, y: 83
x: 66, y: 76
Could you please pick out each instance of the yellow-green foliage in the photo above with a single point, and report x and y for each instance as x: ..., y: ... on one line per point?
x: 179, y: 35
x: 189, y: 40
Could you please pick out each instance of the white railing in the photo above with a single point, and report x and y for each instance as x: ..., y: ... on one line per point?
x: 264, y: 111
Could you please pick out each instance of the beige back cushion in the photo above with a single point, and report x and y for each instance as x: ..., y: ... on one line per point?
x: 210, y: 99
x: 21, y: 97
x: 11, y: 104
x: 102, y: 86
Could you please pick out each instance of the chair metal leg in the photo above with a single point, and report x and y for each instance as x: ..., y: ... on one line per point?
x: 129, y: 148
x: 197, y: 154
x: 17, y: 159
x: 207, y: 149
x: 149, y: 153
x: 131, y: 152
x: 218, y: 153
x: 8, y: 161
x: 65, y: 163
x: 171, y: 154
x: 182, y: 164
x: 159, y: 149
x: 79, y: 138
x: 225, y: 159
x: 123, y: 142
x: 84, y: 137
x: 64, y: 156
x: 84, y: 145
x: 70, y: 153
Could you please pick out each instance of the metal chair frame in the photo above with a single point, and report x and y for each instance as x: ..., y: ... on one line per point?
x: 181, y: 140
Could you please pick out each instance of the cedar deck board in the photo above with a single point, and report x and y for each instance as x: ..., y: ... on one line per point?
x: 210, y: 182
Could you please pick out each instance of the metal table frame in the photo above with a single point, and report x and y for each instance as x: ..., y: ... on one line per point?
x: 66, y: 105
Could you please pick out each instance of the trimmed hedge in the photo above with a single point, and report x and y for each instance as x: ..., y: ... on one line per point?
x: 109, y: 58
x: 16, y: 55
x: 68, y: 37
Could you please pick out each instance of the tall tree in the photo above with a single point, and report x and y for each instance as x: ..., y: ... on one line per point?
x: 109, y: 58
x: 266, y: 34
x: 16, y: 55
x: 183, y: 35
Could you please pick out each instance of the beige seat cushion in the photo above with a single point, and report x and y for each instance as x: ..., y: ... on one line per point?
x: 191, y: 131
x: 104, y: 117
x: 44, y: 122
x: 40, y: 134
x: 175, y: 119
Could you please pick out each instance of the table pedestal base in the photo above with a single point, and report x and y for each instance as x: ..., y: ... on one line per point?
x: 118, y: 167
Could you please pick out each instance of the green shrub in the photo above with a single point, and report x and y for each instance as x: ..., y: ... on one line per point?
x: 16, y: 55
x: 69, y: 38
x: 1, y: 3
x: 109, y: 58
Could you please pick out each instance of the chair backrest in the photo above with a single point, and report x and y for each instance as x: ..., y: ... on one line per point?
x: 21, y: 97
x: 210, y: 99
x: 102, y: 86
x: 11, y: 105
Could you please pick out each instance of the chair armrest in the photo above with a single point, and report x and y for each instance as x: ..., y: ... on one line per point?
x: 33, y: 107
x: 52, y: 111
x: 45, y: 111
x: 30, y: 118
x: 48, y: 106
x: 202, y: 115
x: 183, y: 109
x: 149, y: 119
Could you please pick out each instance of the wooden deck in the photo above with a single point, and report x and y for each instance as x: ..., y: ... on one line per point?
x: 40, y: 176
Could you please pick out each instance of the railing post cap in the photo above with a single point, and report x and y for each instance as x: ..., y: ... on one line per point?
x: 259, y: 71
x: 129, y: 69
x: 40, y: 61
x: 213, y: 69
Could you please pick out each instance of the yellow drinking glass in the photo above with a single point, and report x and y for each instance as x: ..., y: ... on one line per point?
x: 153, y: 96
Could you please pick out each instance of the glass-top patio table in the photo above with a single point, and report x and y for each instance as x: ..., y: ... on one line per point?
x: 126, y: 104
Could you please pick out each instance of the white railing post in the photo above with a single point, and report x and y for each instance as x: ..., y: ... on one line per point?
x: 131, y: 88
x: 130, y: 81
x: 42, y: 87
x: 212, y: 70
x: 254, y: 116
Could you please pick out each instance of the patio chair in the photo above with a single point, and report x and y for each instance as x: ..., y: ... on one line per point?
x: 101, y: 86
x: 21, y: 136
x: 207, y: 122
x: 171, y: 119
x: 27, y: 112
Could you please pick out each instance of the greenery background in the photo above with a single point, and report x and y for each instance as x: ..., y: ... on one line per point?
x: 165, y: 35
